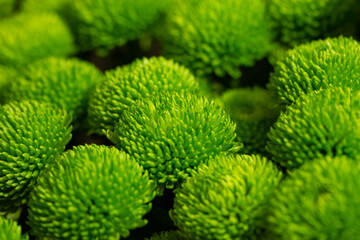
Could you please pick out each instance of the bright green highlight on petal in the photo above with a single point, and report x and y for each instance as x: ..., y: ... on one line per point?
x: 9, y: 230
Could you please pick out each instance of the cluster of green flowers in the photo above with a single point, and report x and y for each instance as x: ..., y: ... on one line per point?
x: 280, y: 162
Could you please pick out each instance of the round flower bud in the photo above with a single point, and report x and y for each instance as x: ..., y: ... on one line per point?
x: 170, y: 134
x: 124, y: 85
x: 299, y: 21
x: 90, y: 192
x: 319, y: 124
x: 211, y: 36
x: 317, y: 65
x: 318, y: 201
x: 25, y: 38
x: 105, y: 24
x: 226, y: 199
x: 254, y: 112
x: 65, y: 82
x: 168, y: 235
x: 9, y: 230
x: 32, y: 134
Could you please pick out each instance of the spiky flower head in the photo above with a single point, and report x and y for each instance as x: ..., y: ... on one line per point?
x: 317, y: 65
x: 7, y: 75
x: 32, y: 134
x: 9, y: 230
x: 226, y: 199
x: 90, y: 192
x: 25, y: 38
x: 6, y: 8
x: 211, y: 36
x: 65, y: 82
x: 124, y: 85
x: 104, y: 24
x: 254, y: 111
x: 298, y: 21
x: 170, y: 134
x: 323, y: 123
x: 168, y: 235
x: 318, y: 201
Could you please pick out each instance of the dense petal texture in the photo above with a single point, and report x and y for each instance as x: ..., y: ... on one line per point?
x: 106, y: 23
x: 299, y: 21
x: 317, y: 65
x: 33, y: 37
x: 65, y: 82
x: 90, y: 192
x: 124, y: 85
x: 9, y: 230
x: 226, y: 199
x: 32, y: 134
x: 325, y: 122
x: 211, y: 36
x: 254, y: 112
x: 318, y: 201
x: 171, y: 134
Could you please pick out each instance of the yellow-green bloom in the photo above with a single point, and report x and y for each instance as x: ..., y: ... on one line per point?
x: 9, y: 230
x: 104, y: 24
x: 170, y: 134
x: 140, y: 79
x: 25, y: 38
x: 212, y: 36
x: 226, y: 199
x: 90, y: 192
x: 318, y: 201
x: 323, y: 123
x: 317, y: 65
x: 32, y: 134
x: 65, y: 82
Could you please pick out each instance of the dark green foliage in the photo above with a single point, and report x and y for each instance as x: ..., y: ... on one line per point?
x: 32, y: 134
x: 211, y: 36
x: 171, y: 134
x: 323, y: 123
x: 6, y: 8
x: 226, y: 199
x: 9, y: 230
x: 105, y: 24
x: 33, y: 37
x: 254, y: 112
x: 318, y: 201
x: 7, y: 75
x: 298, y: 21
x: 317, y: 65
x: 65, y: 82
x: 124, y: 85
x: 90, y: 192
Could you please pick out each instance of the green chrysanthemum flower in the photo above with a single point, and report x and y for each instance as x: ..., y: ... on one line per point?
x: 211, y: 36
x: 6, y: 8
x: 171, y: 134
x: 90, y: 192
x: 299, y: 21
x: 65, y: 82
x: 254, y: 112
x: 316, y: 65
x: 318, y: 201
x: 124, y: 85
x: 9, y: 230
x: 107, y: 23
x: 32, y: 134
x: 168, y: 235
x: 25, y: 38
x: 226, y: 199
x: 322, y: 123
